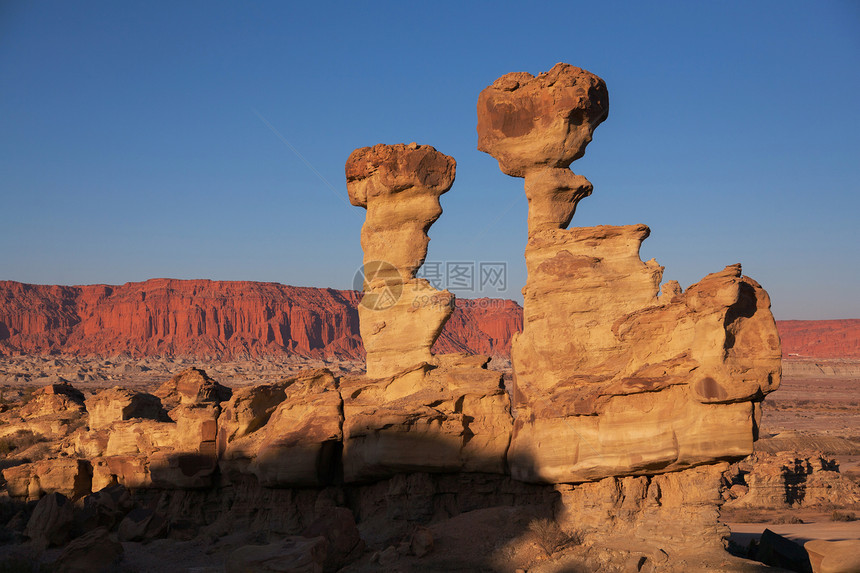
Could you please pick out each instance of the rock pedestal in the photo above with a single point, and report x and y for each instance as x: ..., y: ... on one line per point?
x: 400, y: 316
x: 610, y: 377
x: 413, y: 411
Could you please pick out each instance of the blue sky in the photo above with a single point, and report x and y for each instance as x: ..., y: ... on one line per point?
x: 135, y: 139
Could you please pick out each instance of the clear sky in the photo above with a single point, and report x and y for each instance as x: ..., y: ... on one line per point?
x: 208, y: 139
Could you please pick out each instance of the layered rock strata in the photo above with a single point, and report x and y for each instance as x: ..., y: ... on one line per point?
x: 610, y: 377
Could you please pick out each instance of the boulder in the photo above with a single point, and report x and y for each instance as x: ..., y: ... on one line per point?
x: 52, y: 400
x: 293, y: 554
x: 834, y: 556
x: 51, y: 522
x: 249, y: 410
x: 337, y: 526
x: 93, y: 552
x: 142, y: 524
x: 192, y: 386
x: 530, y: 123
x: 103, y: 508
x: 300, y: 444
x: 118, y: 404
x: 778, y: 551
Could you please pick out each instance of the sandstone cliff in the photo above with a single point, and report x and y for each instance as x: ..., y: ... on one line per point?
x: 167, y: 317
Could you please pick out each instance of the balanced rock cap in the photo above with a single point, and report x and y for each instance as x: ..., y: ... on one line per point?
x: 384, y: 169
x: 530, y: 123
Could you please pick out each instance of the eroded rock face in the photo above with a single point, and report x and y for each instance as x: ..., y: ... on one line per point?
x: 648, y: 510
x: 287, y: 434
x: 451, y: 417
x: 611, y: 378
x: 67, y: 476
x: 400, y: 316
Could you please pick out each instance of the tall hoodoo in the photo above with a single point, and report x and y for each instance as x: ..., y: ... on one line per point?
x: 610, y: 378
x: 413, y: 411
x: 400, y: 316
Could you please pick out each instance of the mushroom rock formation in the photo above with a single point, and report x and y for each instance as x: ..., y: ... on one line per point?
x: 400, y: 316
x: 400, y: 186
x: 536, y: 127
x: 413, y: 411
x: 610, y: 378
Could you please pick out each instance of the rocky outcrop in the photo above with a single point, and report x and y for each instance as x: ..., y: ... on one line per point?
x: 611, y: 378
x: 788, y: 479
x: 55, y: 399
x: 400, y: 186
x: 118, y: 404
x: 412, y: 411
x: 299, y: 442
x: 71, y: 477
x: 624, y: 407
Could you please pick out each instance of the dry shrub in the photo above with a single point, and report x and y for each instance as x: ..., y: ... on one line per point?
x: 549, y: 536
x: 20, y: 441
x: 27, y: 395
x: 842, y: 516
x: 787, y: 519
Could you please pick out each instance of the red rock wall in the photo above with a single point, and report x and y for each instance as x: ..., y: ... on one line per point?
x: 166, y: 317
x: 820, y: 338
x: 248, y: 319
